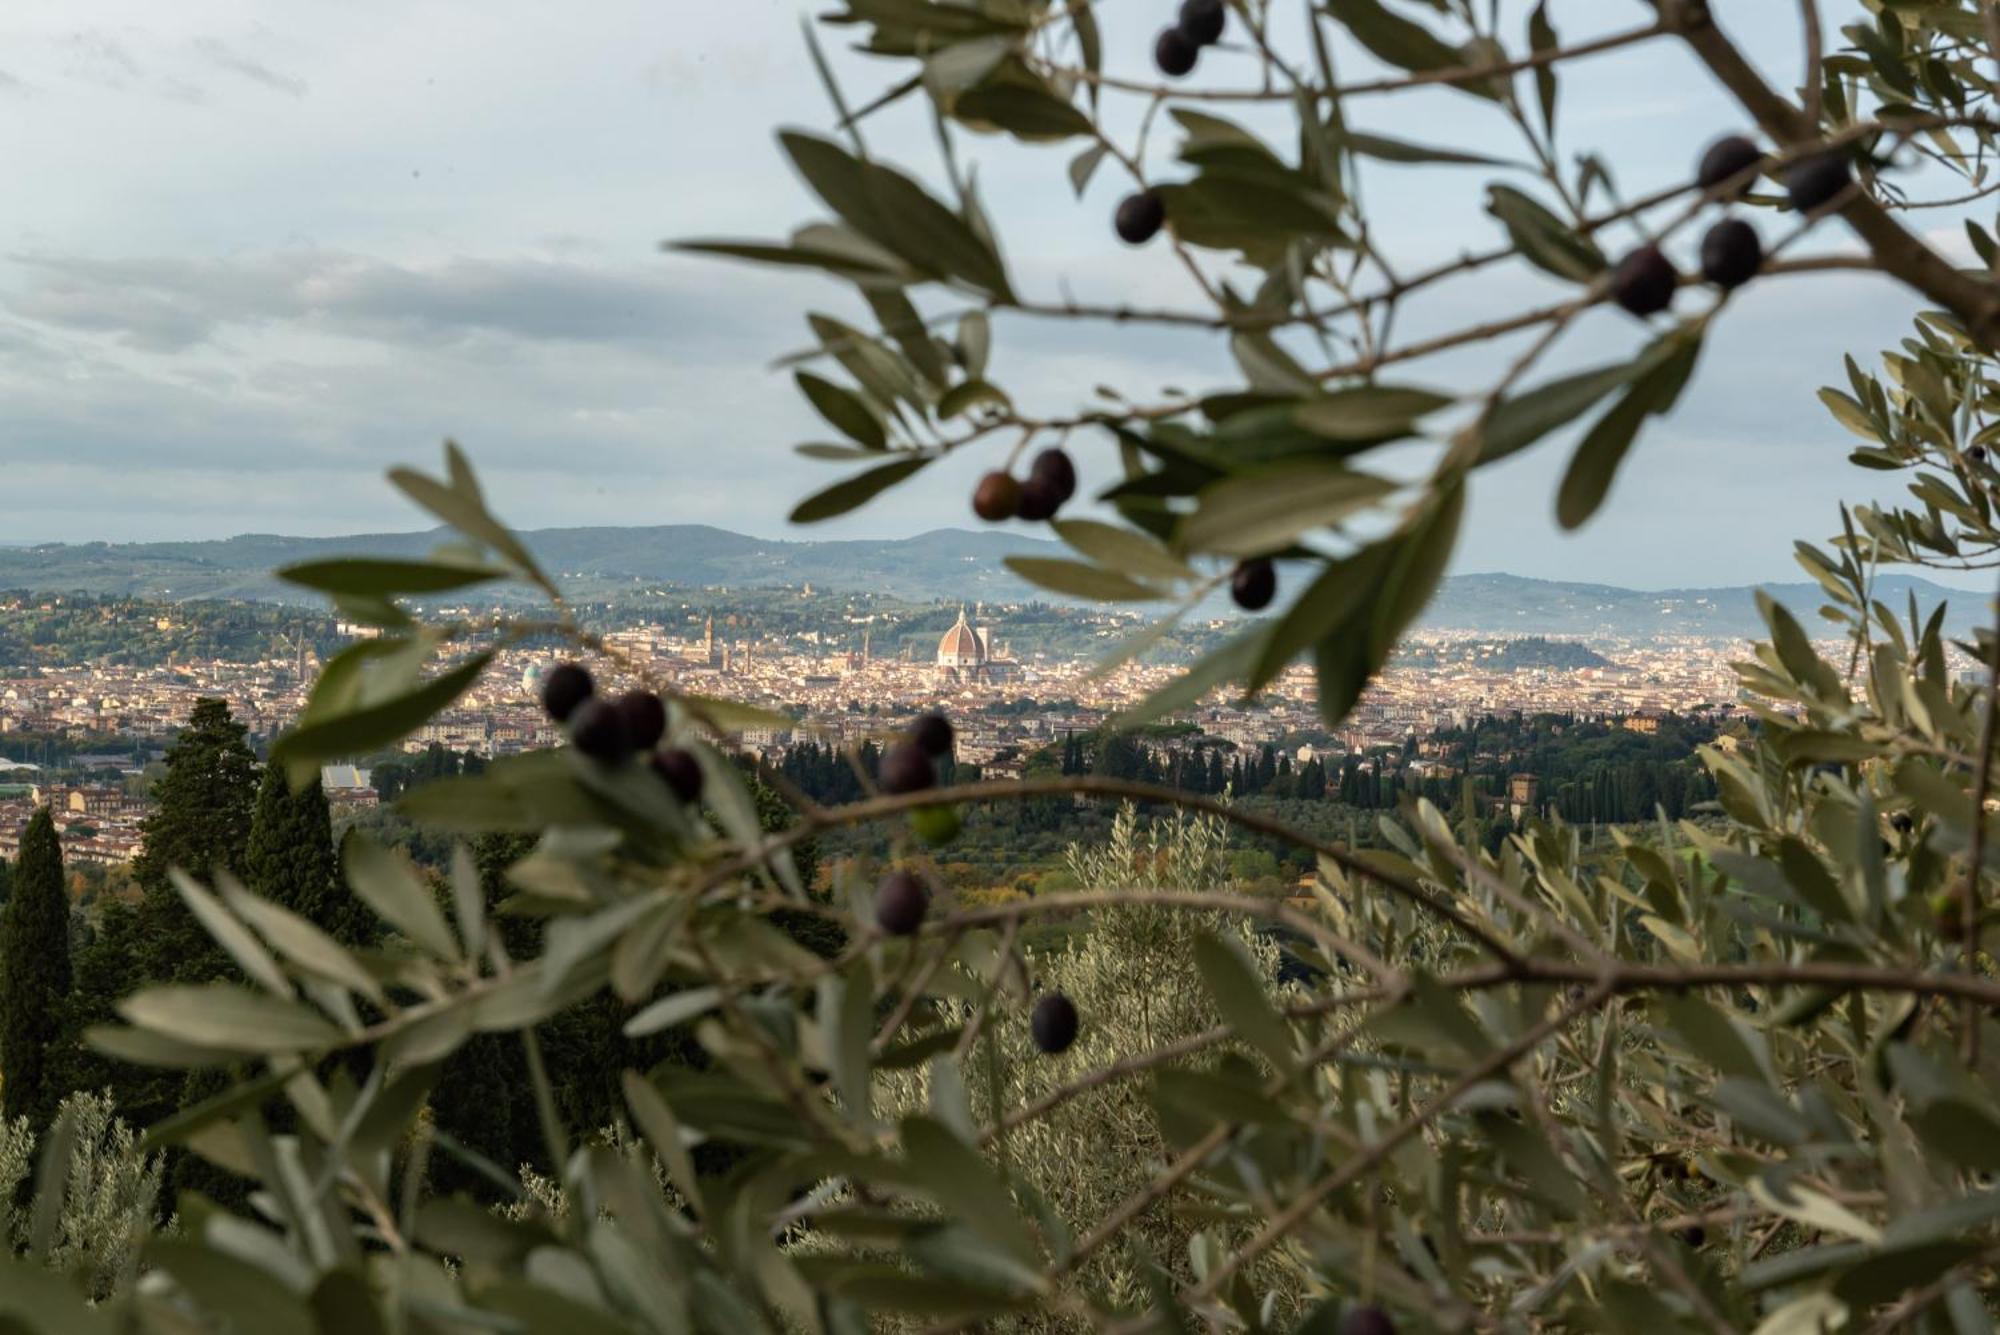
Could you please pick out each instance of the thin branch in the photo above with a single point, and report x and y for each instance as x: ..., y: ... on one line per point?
x: 1455, y: 74
x: 857, y: 813
x: 1990, y: 11
x: 1975, y: 872
x: 1514, y: 968
x: 1815, y: 46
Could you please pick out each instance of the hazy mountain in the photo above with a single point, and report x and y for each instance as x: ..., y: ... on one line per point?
x: 943, y: 564
x: 589, y: 562
x: 1496, y: 603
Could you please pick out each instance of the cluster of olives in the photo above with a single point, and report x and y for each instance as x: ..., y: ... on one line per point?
x: 611, y: 732
x: 1179, y: 45
x: 1731, y: 253
x: 910, y: 765
x: 1051, y: 481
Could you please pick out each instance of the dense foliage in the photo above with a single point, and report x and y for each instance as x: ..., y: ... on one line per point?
x: 392, y: 778
x: 44, y: 630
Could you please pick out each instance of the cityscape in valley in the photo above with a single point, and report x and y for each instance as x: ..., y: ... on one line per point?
x: 93, y: 686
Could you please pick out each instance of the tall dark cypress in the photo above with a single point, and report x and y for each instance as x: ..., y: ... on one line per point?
x: 201, y: 824
x: 291, y: 859
x: 34, y: 976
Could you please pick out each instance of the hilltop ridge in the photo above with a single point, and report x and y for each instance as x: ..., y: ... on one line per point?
x: 944, y: 563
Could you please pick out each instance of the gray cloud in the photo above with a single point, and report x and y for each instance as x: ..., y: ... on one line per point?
x: 162, y: 304
x: 107, y: 60
x: 223, y: 56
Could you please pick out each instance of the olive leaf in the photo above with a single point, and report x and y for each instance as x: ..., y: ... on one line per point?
x: 1603, y: 448
x: 854, y: 492
x: 1543, y: 239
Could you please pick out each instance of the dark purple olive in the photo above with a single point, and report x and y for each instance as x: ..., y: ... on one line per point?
x: 1139, y: 217
x: 933, y: 733
x: 1369, y: 1320
x: 1202, y: 21
x: 1731, y: 254
x: 1053, y: 1023
x: 906, y: 768
x: 1054, y: 467
x: 565, y: 686
x: 1041, y: 497
x: 1644, y: 282
x: 1175, y: 52
x: 645, y: 718
x: 1814, y: 182
x: 1254, y: 584
x: 1726, y: 160
x: 901, y: 903
x: 680, y: 771
x: 598, y: 729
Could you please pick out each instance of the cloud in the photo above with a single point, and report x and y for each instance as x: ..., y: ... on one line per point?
x: 107, y: 60
x: 164, y: 304
x: 223, y: 56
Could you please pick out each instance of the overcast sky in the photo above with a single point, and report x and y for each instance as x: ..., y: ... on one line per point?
x: 256, y: 253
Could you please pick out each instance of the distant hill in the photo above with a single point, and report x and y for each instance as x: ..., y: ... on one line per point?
x: 589, y: 562
x: 943, y: 564
x: 1503, y: 604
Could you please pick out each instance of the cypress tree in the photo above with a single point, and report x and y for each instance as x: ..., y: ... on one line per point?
x: 201, y: 825
x: 34, y: 954
x: 105, y: 969
x: 483, y: 1098
x: 290, y: 859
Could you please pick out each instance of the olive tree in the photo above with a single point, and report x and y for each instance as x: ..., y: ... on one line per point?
x: 1733, y: 1073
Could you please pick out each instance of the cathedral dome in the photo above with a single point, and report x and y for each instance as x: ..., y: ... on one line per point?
x: 960, y: 646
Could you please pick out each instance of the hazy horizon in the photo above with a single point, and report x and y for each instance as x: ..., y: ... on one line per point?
x: 1955, y: 581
